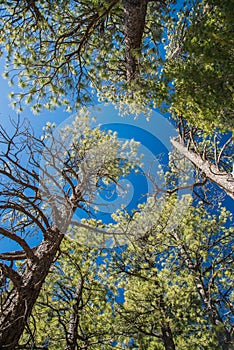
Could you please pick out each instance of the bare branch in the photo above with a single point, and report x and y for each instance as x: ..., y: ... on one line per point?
x: 28, y: 251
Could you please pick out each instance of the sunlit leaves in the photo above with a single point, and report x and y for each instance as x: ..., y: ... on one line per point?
x: 200, y: 62
x: 74, y: 290
x: 77, y: 48
x: 175, y: 274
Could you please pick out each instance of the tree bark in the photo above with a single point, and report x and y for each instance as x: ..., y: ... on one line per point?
x: 223, y: 336
x: 167, y: 338
x: 222, y: 179
x: 134, y: 23
x: 72, y: 333
x: 21, y: 301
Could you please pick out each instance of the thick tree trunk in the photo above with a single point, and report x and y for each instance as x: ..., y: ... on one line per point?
x: 22, y: 299
x: 134, y: 23
x: 222, y: 179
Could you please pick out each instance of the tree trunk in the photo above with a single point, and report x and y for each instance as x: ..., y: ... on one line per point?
x: 72, y: 333
x: 167, y: 338
x: 22, y: 299
x: 223, y: 335
x: 134, y: 23
x: 222, y: 179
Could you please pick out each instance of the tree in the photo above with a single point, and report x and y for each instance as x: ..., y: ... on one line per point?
x: 69, y: 45
x: 73, y: 50
x: 74, y: 309
x: 200, y: 64
x: 177, y: 277
x: 213, y: 156
x: 43, y: 182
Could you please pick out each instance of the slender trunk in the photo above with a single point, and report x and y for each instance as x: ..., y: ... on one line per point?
x: 167, y: 338
x: 222, y: 179
x: 134, y: 23
x: 21, y: 301
x: 72, y: 333
x: 223, y: 336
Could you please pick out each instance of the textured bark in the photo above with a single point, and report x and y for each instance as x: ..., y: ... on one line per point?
x: 134, y: 23
x: 222, y: 179
x: 167, y: 337
x: 20, y: 304
x: 224, y: 337
x: 72, y: 333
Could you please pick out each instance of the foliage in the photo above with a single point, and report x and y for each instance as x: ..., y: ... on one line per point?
x: 74, y: 49
x: 74, y: 309
x: 175, y: 278
x: 200, y: 60
x: 170, y: 287
x: 43, y: 182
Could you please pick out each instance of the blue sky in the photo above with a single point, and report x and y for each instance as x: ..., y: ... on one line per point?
x: 37, y: 121
x: 154, y: 136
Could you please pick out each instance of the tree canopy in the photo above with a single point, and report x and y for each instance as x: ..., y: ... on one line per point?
x: 168, y: 283
x: 40, y: 192
x: 200, y: 63
x: 73, y: 50
x: 175, y: 278
x: 109, y: 47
